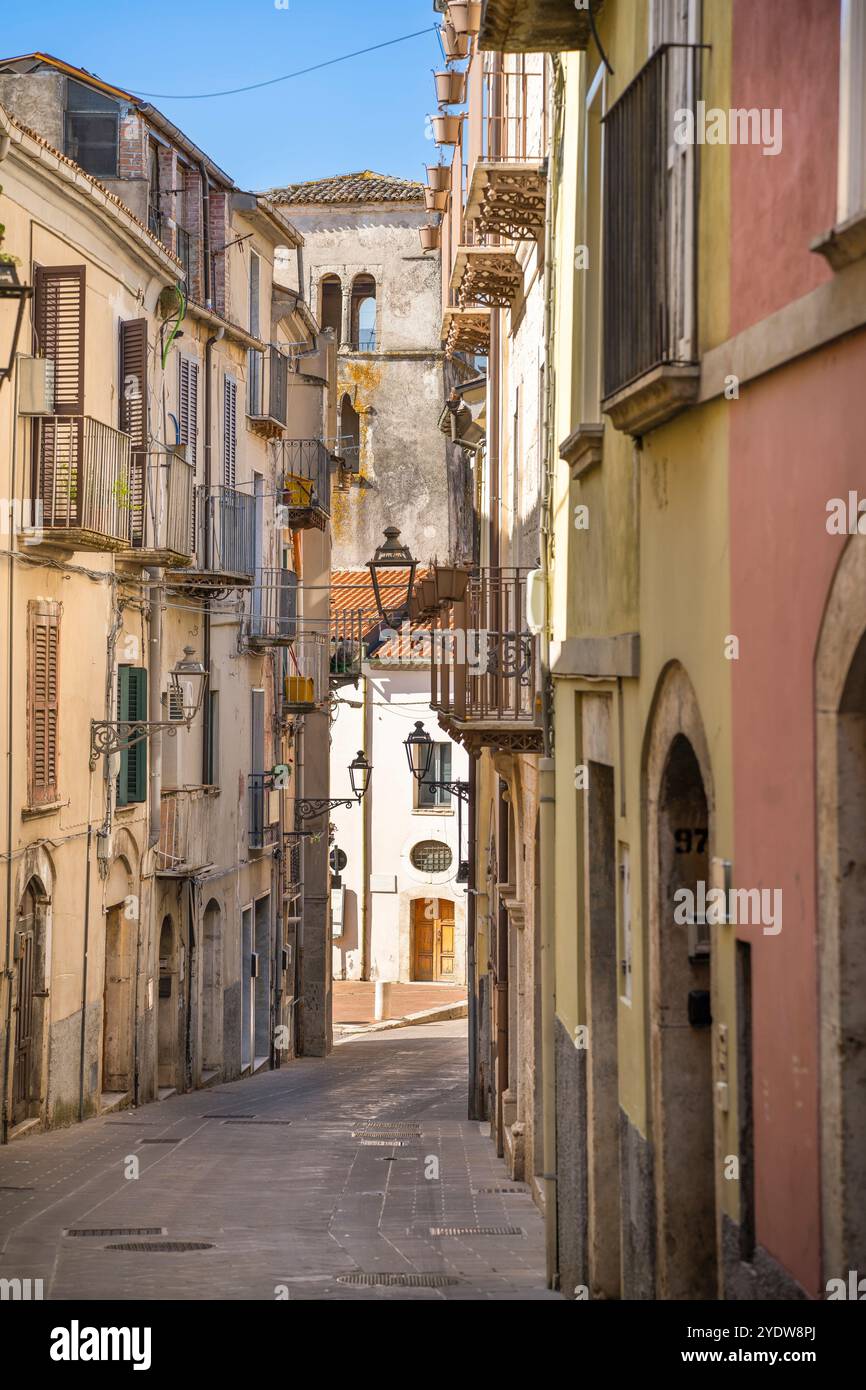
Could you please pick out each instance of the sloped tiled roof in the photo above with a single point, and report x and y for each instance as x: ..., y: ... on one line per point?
x: 365, y: 187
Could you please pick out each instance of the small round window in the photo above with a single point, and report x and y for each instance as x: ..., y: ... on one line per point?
x: 431, y: 857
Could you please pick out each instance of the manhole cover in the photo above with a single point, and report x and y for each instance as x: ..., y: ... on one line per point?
x: 158, y: 1141
x: 477, y: 1191
x: 115, y: 1231
x: 165, y: 1247
x: 477, y: 1231
x: 400, y: 1281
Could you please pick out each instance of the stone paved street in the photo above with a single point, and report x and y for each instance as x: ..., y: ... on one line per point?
x: 304, y: 1190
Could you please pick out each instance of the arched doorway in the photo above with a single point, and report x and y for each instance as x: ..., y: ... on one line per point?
x: 840, y: 669
x: 28, y: 995
x: 331, y: 306
x: 212, y: 989
x: 168, y: 1005
x: 679, y: 826
x: 118, y: 990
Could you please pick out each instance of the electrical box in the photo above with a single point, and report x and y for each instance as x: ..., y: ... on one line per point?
x: 338, y: 902
x: 35, y: 386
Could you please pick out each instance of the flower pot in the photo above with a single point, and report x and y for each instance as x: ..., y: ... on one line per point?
x: 435, y: 201
x: 455, y: 45
x: 446, y: 129
x: 450, y: 88
x: 439, y: 176
x: 429, y: 601
x: 464, y: 16
x: 414, y: 606
x: 429, y: 238
x: 452, y: 582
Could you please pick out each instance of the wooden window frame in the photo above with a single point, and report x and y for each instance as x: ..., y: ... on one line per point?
x: 43, y: 615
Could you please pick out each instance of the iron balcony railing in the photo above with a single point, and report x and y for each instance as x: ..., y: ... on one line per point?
x: 264, y: 810
x: 347, y: 646
x: 268, y: 386
x: 649, y: 195
x: 303, y: 470
x: 83, y: 479
x: 162, y: 493
x: 305, y: 672
x: 184, y: 822
x: 273, y: 608
x: 226, y: 526
x: 485, y: 665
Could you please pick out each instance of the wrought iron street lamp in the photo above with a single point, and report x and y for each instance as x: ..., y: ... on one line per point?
x: 187, y: 681
x: 11, y: 289
x: 419, y: 751
x: 392, y: 565
x: 360, y: 773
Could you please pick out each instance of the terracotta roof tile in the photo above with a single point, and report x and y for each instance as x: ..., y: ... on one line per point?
x: 364, y: 187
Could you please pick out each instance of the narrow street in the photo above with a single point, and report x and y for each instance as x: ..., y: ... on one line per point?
x: 287, y: 1182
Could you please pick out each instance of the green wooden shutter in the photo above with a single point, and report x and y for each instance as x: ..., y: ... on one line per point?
x: 131, y: 705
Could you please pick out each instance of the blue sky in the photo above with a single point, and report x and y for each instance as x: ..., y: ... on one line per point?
x: 368, y: 113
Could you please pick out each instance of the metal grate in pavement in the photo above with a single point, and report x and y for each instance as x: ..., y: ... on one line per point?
x: 159, y: 1141
x: 395, y: 1127
x: 17, y: 1189
x: 477, y: 1231
x: 245, y: 1120
x: 228, y: 1117
x: 115, y: 1231
x: 379, y: 1143
x: 514, y: 1187
x: 165, y: 1247
x: 401, y: 1281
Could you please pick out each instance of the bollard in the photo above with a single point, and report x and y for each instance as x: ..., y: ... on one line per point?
x: 382, y: 1006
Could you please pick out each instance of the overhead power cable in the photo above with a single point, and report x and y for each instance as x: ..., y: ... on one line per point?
x: 287, y: 77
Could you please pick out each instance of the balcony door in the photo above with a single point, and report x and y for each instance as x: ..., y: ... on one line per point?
x: 433, y: 954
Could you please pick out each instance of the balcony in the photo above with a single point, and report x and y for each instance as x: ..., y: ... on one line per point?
x: 485, y: 674
x: 273, y: 617
x: 264, y: 807
x: 224, y: 530
x: 507, y: 193
x: 304, y: 479
x: 485, y: 273
x: 466, y: 330
x: 83, y: 482
x: 649, y: 248
x: 535, y: 26
x: 347, y: 646
x: 161, y: 506
x: 305, y: 673
x: 267, y: 393
x: 184, y: 830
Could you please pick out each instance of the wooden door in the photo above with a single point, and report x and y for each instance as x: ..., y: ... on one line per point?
x: 117, y: 1013
x: 433, y: 956
x: 23, y: 1008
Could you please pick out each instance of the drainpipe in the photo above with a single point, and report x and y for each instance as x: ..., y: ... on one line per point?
x: 208, y: 541
x: 82, y: 1039
x: 154, y: 691
x: 10, y: 752
x: 475, y: 1104
x: 367, y: 812
x: 547, y: 798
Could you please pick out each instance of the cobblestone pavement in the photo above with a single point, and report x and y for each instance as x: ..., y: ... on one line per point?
x: 355, y: 1000
x: 290, y: 1179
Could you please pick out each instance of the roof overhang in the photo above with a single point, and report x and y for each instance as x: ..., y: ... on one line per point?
x: 261, y: 214
x: 535, y: 26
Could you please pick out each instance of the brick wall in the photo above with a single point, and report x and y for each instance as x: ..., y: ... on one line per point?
x: 220, y: 259
x: 132, y: 151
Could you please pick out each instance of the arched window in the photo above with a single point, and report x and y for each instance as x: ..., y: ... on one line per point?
x: 331, y: 304
x: 364, y: 314
x: 350, y: 435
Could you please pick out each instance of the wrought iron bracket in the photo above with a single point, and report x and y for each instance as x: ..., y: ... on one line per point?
x: 108, y: 737
x: 460, y: 789
x: 308, y: 808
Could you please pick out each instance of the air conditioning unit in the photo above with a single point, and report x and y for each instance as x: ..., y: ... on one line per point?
x: 35, y: 386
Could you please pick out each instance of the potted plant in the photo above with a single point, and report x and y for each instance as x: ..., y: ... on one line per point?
x: 429, y: 600
x: 455, y: 45
x: 452, y: 582
x: 450, y: 87
x: 439, y: 176
x: 446, y: 128
x: 464, y: 16
x: 435, y: 201
x: 429, y: 238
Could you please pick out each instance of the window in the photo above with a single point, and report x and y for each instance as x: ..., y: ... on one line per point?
x: 43, y: 703
x: 364, y: 314
x: 439, y: 771
x: 331, y: 309
x: 431, y: 857
x: 91, y: 124
x: 230, y: 431
x: 133, y: 413
x: 255, y: 373
x: 154, y: 205
x: 131, y: 706
x: 852, y: 111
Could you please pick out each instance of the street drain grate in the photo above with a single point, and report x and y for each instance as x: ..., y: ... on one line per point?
x: 115, y: 1231
x: 17, y: 1189
x: 391, y: 1127
x: 159, y: 1141
x: 228, y: 1117
x: 477, y: 1231
x: 477, y: 1191
x: 245, y: 1120
x: 400, y: 1281
x: 380, y: 1143
x: 164, y: 1247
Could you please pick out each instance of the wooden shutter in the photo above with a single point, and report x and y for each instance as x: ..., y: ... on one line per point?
x: 133, y: 414
x: 58, y: 323
x: 230, y: 431
x: 43, y: 701
x: 187, y: 418
x: 131, y: 705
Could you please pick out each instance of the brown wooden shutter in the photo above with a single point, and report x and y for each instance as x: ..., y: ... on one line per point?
x: 133, y: 414
x: 43, y: 701
x: 58, y: 323
x: 187, y: 420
